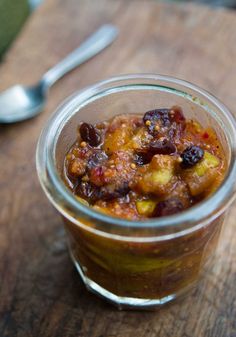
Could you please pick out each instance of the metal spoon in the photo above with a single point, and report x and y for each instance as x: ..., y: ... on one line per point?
x: 20, y: 102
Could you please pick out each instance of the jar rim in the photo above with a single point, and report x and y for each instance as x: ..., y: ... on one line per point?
x: 67, y: 204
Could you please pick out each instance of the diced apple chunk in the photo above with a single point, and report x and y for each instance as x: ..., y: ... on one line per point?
x: 145, y: 207
x: 201, y: 176
x: 139, y: 139
x: 209, y: 161
x: 156, y: 176
x: 162, y: 176
x: 116, y: 140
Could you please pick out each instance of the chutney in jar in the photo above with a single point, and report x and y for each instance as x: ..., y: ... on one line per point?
x: 138, y: 167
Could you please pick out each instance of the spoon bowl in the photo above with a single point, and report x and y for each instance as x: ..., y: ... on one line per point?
x: 20, y: 102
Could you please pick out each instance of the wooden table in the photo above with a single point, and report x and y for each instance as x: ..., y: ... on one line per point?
x: 40, y: 292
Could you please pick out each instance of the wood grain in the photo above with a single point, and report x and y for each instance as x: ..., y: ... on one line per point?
x: 40, y: 292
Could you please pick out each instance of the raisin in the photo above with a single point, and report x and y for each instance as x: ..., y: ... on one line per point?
x: 96, y: 159
x: 123, y: 189
x: 168, y: 207
x: 162, y: 147
x: 191, y: 156
x: 156, y: 147
x: 154, y: 116
x: 89, y: 134
x: 143, y: 157
x: 111, y: 192
x: 176, y: 115
x: 88, y: 191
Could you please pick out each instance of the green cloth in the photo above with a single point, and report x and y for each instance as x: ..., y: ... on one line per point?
x: 13, y: 14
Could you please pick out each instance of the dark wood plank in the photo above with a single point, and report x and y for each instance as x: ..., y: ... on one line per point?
x: 40, y: 292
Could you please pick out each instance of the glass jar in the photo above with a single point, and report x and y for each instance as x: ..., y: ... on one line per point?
x: 137, y: 264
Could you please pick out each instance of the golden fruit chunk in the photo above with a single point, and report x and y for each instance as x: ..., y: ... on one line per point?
x: 139, y: 139
x: 209, y: 161
x: 198, y: 185
x: 162, y: 176
x: 115, y: 141
x: 156, y: 175
x: 201, y: 177
x: 145, y: 207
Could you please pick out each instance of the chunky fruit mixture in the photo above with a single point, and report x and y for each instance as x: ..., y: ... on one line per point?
x: 138, y: 167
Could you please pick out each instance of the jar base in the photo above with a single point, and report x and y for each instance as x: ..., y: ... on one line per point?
x: 125, y: 303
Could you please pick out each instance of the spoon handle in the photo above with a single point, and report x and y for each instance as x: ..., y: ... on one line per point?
x: 99, y: 40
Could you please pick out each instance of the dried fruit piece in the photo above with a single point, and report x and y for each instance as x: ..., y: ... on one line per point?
x: 161, y: 115
x: 97, y: 158
x: 176, y: 115
x: 156, y: 147
x: 110, y: 192
x: 162, y: 147
x: 89, y: 134
x: 168, y: 207
x: 143, y: 157
x: 145, y: 207
x: 152, y: 119
x: 191, y: 156
x: 165, y: 117
x: 88, y: 191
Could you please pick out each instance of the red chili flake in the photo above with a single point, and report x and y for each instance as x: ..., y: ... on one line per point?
x: 205, y: 135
